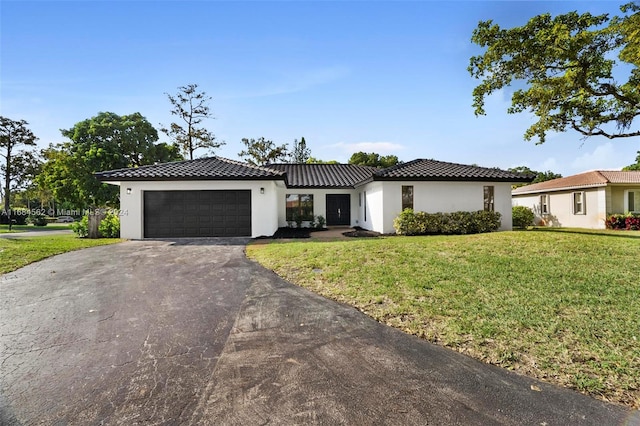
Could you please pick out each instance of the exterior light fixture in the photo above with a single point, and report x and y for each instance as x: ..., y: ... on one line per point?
x: 128, y: 191
x: 262, y: 190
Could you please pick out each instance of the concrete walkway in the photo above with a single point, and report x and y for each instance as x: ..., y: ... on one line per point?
x: 191, y: 332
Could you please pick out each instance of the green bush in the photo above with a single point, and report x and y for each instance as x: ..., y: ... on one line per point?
x: 109, y: 226
x: 420, y: 223
x: 38, y: 220
x: 81, y: 228
x: 522, y: 216
x: 320, y: 222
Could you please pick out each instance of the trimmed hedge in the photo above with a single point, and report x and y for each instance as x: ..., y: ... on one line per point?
x: 522, y: 216
x: 629, y: 221
x: 420, y: 223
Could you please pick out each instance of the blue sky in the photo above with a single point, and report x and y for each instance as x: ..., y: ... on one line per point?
x: 388, y: 77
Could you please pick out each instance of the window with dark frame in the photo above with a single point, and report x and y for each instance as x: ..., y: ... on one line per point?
x: 407, y: 197
x: 299, y: 206
x: 365, y: 205
x: 633, y: 201
x: 489, y: 204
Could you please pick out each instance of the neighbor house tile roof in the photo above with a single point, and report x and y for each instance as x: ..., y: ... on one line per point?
x: 323, y: 175
x: 590, y: 179
x: 214, y: 168
x: 432, y: 170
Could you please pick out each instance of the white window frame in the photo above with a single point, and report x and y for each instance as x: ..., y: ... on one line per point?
x: 545, y: 207
x: 582, y: 210
x: 636, y: 207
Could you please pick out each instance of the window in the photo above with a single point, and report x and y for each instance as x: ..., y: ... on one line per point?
x: 365, y: 206
x: 299, y: 206
x: 544, y: 204
x: 489, y: 198
x: 407, y: 197
x: 578, y: 203
x: 632, y: 202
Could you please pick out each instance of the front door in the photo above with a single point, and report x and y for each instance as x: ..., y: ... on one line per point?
x: 338, y: 209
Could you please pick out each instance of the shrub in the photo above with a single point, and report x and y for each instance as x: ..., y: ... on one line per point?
x: 320, y: 222
x: 38, y: 219
x: 420, y: 223
x: 522, y: 216
x: 109, y: 226
x: 18, y: 216
x: 629, y: 221
x: 81, y: 228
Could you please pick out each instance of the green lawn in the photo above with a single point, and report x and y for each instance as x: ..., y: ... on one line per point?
x: 18, y: 252
x: 22, y: 228
x: 559, y: 305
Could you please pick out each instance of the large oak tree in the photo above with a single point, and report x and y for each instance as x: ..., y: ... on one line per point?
x: 105, y: 142
x: 568, y: 67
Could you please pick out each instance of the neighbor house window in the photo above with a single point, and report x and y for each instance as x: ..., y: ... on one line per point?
x: 632, y: 202
x: 578, y: 203
x: 544, y: 204
x: 407, y: 197
x: 489, y: 198
x: 299, y: 206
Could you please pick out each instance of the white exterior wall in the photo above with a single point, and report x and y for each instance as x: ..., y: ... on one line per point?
x: 433, y: 197
x: 561, y: 208
x: 373, y: 202
x: 264, y: 218
x: 319, y: 203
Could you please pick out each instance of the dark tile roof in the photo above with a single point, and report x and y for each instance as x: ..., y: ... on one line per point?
x: 590, y: 179
x: 214, y: 168
x: 432, y: 170
x: 323, y: 175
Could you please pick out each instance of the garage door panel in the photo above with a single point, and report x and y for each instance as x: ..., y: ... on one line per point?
x: 221, y: 213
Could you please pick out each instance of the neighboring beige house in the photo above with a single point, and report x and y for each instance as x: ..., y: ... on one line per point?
x: 583, y: 200
x: 216, y: 196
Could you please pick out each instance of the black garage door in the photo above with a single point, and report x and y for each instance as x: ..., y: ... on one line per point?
x: 171, y: 214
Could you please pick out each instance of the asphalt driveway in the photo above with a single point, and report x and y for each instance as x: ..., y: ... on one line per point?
x: 192, y: 332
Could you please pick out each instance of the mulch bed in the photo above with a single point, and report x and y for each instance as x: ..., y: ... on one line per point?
x: 294, y: 232
x: 360, y: 233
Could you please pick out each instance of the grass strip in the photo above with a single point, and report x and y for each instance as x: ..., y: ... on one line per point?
x: 18, y: 252
x: 558, y: 305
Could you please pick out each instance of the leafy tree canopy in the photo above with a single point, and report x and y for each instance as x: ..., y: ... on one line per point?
x: 313, y: 160
x: 262, y: 151
x: 567, y: 65
x: 373, y: 159
x: 539, y: 176
x: 191, y: 107
x: 105, y: 142
x: 635, y: 166
x: 300, y: 153
x: 17, y: 165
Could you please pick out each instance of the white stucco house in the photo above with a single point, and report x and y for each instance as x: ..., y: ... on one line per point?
x: 583, y: 200
x: 220, y: 197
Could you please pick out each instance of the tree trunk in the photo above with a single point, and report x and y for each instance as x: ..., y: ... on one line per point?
x: 7, y: 182
x: 94, y: 223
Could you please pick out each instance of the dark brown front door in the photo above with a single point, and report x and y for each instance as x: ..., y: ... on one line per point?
x: 338, y: 209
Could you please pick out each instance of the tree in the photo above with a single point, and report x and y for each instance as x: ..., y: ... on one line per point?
x: 539, y: 176
x: 374, y: 160
x: 635, y: 166
x: 567, y: 66
x: 313, y: 160
x: 300, y: 153
x: 262, y: 151
x: 105, y: 142
x: 15, y: 161
x: 191, y: 107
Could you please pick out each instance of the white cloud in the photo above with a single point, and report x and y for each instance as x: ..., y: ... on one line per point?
x: 549, y: 164
x: 602, y: 157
